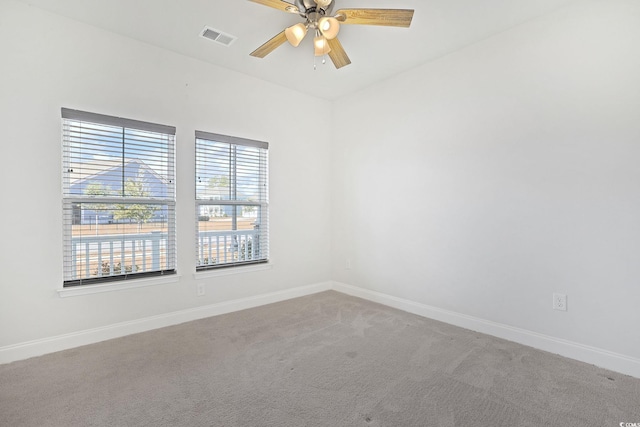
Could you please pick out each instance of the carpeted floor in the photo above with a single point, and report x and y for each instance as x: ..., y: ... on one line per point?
x: 323, y: 360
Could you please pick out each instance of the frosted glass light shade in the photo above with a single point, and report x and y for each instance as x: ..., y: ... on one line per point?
x: 295, y: 34
x: 323, y: 3
x: 329, y: 27
x: 320, y: 45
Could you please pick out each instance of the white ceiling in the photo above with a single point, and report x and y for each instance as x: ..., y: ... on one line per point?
x: 439, y: 27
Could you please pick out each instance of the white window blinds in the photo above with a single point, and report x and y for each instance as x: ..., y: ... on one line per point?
x: 231, y: 201
x: 118, y: 198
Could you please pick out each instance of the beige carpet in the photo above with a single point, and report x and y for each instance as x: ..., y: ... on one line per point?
x: 323, y: 360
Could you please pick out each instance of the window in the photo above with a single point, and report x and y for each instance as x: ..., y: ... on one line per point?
x: 118, y: 198
x: 231, y: 201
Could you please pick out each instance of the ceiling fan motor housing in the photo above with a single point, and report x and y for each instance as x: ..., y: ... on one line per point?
x: 307, y: 7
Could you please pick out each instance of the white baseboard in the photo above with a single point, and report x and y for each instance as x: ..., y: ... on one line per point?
x: 90, y: 336
x: 584, y: 353
x: 599, y: 357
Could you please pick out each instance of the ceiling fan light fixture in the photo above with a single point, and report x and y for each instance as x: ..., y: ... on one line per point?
x: 320, y: 46
x: 329, y: 27
x: 295, y: 34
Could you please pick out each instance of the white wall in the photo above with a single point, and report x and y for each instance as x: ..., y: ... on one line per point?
x: 485, y: 181
x: 48, y: 62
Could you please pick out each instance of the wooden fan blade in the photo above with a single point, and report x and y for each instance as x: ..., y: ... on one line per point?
x: 270, y: 46
x: 337, y: 53
x: 387, y: 17
x: 278, y: 4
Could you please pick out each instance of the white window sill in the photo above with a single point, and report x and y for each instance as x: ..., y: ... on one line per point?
x: 75, y: 291
x: 228, y: 271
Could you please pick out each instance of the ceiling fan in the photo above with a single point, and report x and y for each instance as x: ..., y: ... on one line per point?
x: 325, y: 25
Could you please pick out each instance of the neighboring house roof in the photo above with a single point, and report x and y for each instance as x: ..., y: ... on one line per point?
x: 110, y: 173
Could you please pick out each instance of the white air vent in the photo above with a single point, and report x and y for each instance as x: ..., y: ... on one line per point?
x: 217, y: 36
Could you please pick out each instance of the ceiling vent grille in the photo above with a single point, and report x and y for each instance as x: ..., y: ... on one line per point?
x: 217, y: 36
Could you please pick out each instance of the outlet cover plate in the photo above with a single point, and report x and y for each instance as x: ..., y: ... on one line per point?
x: 200, y: 291
x: 560, y: 302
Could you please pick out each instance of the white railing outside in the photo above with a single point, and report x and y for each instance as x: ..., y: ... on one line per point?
x: 137, y: 252
x: 109, y: 255
x: 221, y: 247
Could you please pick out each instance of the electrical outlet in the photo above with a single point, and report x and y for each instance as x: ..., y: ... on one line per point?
x: 347, y: 264
x: 560, y: 302
x: 200, y: 291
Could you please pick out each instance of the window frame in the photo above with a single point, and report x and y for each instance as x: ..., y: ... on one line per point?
x: 71, y: 200
x: 262, y: 205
